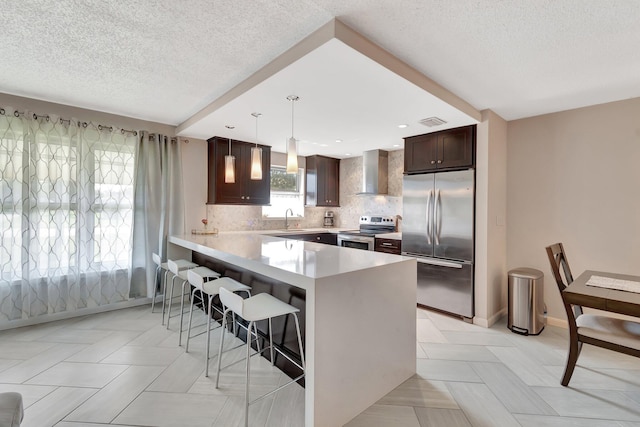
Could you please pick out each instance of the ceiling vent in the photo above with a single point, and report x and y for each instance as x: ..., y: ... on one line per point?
x: 432, y: 121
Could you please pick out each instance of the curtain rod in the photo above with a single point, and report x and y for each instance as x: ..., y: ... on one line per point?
x: 63, y: 121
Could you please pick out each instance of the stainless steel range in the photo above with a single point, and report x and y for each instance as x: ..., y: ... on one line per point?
x: 364, y: 238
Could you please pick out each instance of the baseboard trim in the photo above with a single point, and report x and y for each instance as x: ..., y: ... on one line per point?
x: 487, y: 323
x: 554, y: 321
x: 11, y: 324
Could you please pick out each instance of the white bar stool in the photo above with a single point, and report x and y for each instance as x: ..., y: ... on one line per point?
x: 183, y: 264
x: 182, y: 275
x: 211, y: 289
x: 259, y: 307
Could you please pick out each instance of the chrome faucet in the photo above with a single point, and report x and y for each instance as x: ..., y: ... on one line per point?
x: 286, y: 218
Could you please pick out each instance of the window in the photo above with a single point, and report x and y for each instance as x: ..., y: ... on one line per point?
x: 66, y: 215
x: 287, y: 192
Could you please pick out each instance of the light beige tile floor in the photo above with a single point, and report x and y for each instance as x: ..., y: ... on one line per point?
x: 123, y: 368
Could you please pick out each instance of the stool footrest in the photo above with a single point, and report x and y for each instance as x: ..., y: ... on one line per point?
x: 277, y: 390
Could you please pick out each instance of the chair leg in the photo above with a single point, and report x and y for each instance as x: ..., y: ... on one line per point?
x: 246, y: 385
x: 295, y: 317
x: 173, y: 282
x: 255, y: 329
x: 206, y: 358
x: 184, y: 285
x: 571, y: 361
x: 164, y: 294
x: 186, y: 348
x: 579, y: 349
x: 155, y: 288
x: 273, y: 361
x: 224, y: 328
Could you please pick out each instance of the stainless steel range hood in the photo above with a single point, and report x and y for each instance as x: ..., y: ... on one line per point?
x: 375, y: 172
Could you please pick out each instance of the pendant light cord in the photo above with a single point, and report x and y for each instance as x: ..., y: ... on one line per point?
x: 293, y: 102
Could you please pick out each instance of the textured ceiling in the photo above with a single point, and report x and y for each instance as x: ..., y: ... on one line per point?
x: 165, y: 60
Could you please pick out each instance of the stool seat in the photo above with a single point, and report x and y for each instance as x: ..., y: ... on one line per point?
x: 11, y: 409
x: 182, y: 264
x: 263, y: 307
x: 212, y: 287
x: 205, y: 272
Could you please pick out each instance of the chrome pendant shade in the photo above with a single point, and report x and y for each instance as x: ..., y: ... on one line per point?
x: 256, y: 155
x: 292, y: 149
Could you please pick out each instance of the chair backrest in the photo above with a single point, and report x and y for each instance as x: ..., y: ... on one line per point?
x: 232, y: 301
x: 173, y: 267
x: 558, y: 261
x: 156, y: 259
x: 195, y: 279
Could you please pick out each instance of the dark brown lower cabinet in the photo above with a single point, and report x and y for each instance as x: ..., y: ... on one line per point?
x: 389, y: 246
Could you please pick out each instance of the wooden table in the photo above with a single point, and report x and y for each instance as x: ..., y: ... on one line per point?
x: 611, y: 300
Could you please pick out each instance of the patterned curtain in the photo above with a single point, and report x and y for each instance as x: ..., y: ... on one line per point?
x: 66, y: 206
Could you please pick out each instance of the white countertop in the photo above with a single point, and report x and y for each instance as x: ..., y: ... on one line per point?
x: 292, y: 261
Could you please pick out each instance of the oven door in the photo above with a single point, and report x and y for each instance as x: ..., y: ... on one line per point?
x: 357, y: 242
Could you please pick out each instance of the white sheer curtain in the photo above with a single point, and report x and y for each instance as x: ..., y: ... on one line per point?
x: 66, y: 207
x: 159, y: 206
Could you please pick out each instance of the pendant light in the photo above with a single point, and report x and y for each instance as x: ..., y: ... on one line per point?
x: 229, y: 166
x: 292, y: 151
x: 256, y: 155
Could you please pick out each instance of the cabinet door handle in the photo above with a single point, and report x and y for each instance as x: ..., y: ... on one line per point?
x: 439, y: 161
x: 433, y: 162
x: 242, y: 197
x: 248, y: 197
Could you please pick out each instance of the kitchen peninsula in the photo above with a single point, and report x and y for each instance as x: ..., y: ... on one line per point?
x: 360, y: 326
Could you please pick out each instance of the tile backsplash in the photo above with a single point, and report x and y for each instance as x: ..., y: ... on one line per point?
x: 236, y: 218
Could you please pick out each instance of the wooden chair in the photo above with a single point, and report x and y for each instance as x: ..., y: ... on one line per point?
x: 607, y: 332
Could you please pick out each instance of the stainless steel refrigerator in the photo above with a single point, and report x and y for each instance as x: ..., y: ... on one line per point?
x: 438, y: 230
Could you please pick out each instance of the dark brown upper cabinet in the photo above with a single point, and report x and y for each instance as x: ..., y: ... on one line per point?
x: 322, y: 177
x: 447, y: 149
x: 244, y: 191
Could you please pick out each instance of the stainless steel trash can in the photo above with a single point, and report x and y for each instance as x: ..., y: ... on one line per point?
x: 526, y: 301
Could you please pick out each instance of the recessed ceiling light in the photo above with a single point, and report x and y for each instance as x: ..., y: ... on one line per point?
x: 396, y: 145
x: 338, y: 141
x: 324, y: 145
x: 403, y: 126
x: 347, y: 154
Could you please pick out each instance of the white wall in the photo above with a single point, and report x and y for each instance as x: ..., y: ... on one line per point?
x: 491, y: 212
x: 574, y: 177
x: 194, y: 174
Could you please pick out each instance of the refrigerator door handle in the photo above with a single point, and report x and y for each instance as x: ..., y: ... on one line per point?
x: 433, y: 261
x: 428, y: 217
x: 436, y: 209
